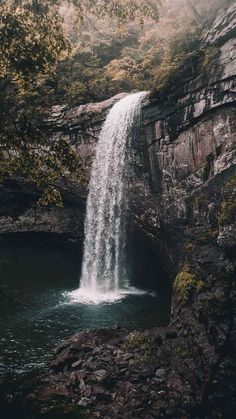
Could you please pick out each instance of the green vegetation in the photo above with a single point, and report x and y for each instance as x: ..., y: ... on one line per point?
x: 183, y: 352
x: 208, y: 235
x: 136, y: 341
x: 178, y: 55
x: 35, y: 55
x: 75, y: 52
x: 209, y: 55
x: 189, y: 247
x: 200, y: 200
x: 32, y: 43
x: 184, y: 285
x: 228, y: 204
x: 228, y: 212
x: 141, y: 342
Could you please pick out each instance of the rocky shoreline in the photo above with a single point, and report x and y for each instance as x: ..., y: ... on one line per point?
x: 114, y: 373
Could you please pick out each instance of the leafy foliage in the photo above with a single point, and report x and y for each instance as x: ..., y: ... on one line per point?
x: 80, y: 80
x: 125, y: 73
x: 175, y: 54
x: 31, y: 39
x: 74, y: 52
x: 38, y: 67
x: 32, y: 43
x: 228, y: 204
x: 122, y: 11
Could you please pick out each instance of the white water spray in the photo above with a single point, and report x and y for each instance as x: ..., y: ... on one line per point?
x: 103, y: 269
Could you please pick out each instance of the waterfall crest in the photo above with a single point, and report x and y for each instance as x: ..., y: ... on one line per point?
x: 103, y: 268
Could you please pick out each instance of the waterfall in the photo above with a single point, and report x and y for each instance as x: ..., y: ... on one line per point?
x: 103, y: 269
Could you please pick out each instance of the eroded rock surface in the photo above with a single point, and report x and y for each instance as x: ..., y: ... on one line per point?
x: 20, y: 213
x: 111, y: 373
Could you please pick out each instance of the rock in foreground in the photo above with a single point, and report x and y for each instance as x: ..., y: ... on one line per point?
x: 113, y: 373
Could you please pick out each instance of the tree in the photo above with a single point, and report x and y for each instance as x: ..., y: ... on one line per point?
x: 33, y: 47
x: 125, y: 74
x: 123, y: 10
x: 32, y: 43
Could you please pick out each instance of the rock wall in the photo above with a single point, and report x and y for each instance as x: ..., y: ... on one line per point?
x: 19, y: 212
x: 185, y: 201
x: 188, y: 139
x: 80, y: 126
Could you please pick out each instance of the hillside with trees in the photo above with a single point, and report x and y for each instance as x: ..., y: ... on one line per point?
x: 81, y: 52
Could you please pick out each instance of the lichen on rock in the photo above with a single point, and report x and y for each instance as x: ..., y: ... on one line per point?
x: 185, y: 283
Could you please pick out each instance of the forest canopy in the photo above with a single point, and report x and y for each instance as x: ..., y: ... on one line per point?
x: 77, y: 51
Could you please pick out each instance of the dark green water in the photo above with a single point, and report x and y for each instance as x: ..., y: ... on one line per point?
x: 43, y: 274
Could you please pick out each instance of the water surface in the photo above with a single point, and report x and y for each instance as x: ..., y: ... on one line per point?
x: 44, y: 275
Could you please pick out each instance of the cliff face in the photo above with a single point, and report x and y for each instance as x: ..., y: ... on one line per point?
x: 189, y: 138
x: 19, y: 212
x: 185, y: 201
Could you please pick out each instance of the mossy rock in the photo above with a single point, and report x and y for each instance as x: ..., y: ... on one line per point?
x: 185, y: 284
x: 208, y: 235
x: 209, y: 57
x: 228, y: 204
x: 142, y: 342
x: 189, y: 247
x: 136, y: 340
x: 227, y: 212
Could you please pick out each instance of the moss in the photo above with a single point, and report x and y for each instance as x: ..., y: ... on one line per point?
x: 185, y: 283
x: 227, y: 212
x: 209, y: 55
x: 136, y: 340
x: 141, y: 341
x: 208, y: 235
x: 178, y: 57
x: 182, y: 352
x: 230, y: 186
x: 228, y: 203
x: 189, y: 247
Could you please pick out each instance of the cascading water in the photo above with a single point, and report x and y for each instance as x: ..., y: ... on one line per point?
x: 103, y: 269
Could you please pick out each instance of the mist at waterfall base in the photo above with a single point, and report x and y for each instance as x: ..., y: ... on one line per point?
x: 49, y: 306
x: 104, y: 275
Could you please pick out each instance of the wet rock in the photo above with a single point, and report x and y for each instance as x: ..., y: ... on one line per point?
x: 171, y: 334
x: 99, y: 375
x: 160, y: 373
x: 76, y: 364
x: 227, y: 237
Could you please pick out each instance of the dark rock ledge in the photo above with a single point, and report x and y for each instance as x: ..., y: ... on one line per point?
x: 113, y: 373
